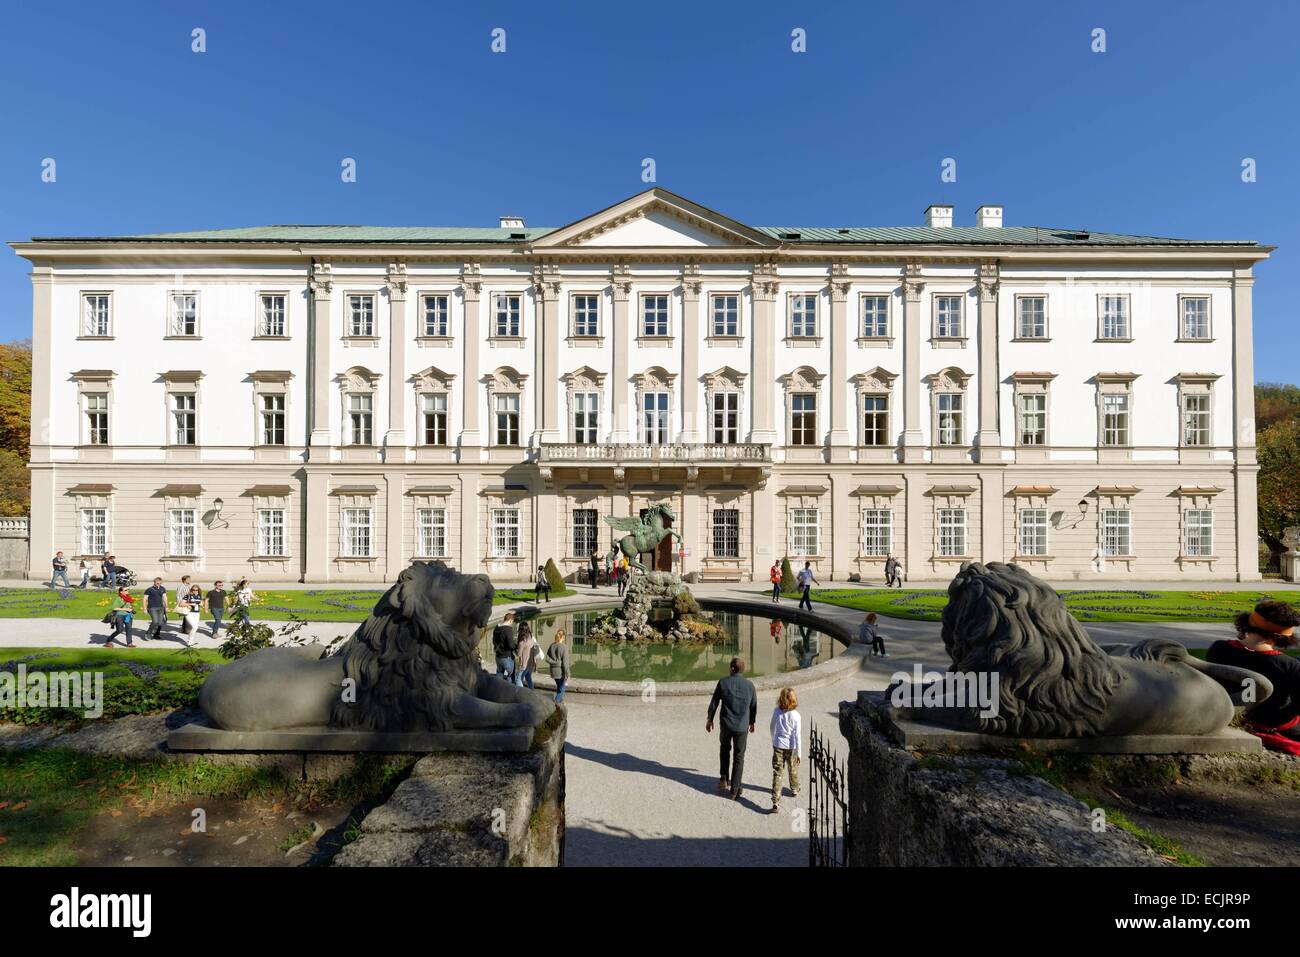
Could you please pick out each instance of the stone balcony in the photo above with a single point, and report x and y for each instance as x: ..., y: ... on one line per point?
x: 620, y: 456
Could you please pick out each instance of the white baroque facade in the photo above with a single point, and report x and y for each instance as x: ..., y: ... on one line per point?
x: 328, y: 403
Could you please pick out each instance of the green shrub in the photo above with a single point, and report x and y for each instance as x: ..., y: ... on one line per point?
x: 788, y: 582
x: 553, y: 576
x: 244, y: 637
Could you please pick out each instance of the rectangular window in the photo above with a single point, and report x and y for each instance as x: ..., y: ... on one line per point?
x: 185, y: 314
x: 1114, y: 419
x: 1031, y: 318
x: 951, y: 427
x: 726, y: 417
x: 586, y: 419
x: 361, y: 418
x: 726, y: 533
x: 586, y: 315
x: 504, y: 533
x: 508, y: 323
x: 877, y: 531
x: 1196, y: 419
x: 1114, y: 317
x: 272, y: 321
x: 96, y: 419
x: 875, y: 420
x: 358, y: 532
x: 805, y: 531
x: 585, y: 533
x: 726, y: 315
x: 1196, y: 317
x: 181, y: 531
x: 361, y: 315
x: 654, y: 418
x: 270, y: 532
x: 433, y: 410
x: 95, y: 319
x: 272, y: 421
x: 94, y: 531
x: 1032, y: 531
x: 1116, y: 531
x: 1198, y: 532
x: 436, y: 312
x: 875, y: 317
x: 803, y: 418
x: 803, y: 317
x: 1033, y: 419
x: 507, y: 419
x: 947, y: 317
x: 431, y: 532
x: 654, y: 316
x: 952, y: 532
x: 184, y: 420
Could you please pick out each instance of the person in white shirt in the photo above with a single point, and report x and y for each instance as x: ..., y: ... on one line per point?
x: 806, y: 580
x: 244, y: 598
x: 787, y: 745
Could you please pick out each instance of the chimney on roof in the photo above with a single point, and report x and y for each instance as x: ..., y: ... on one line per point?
x: 938, y: 217
x: 989, y: 217
x: 512, y: 222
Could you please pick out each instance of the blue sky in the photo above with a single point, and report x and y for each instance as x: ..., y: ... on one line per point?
x: 1147, y: 137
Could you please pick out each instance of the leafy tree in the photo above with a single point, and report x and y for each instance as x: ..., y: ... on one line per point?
x: 1279, y: 489
x: 15, y: 426
x: 1275, y: 403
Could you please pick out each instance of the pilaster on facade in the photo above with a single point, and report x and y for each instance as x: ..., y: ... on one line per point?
x: 471, y: 286
x: 395, y: 436
x: 622, y: 332
x: 988, y: 441
x: 691, y: 287
x: 913, y: 439
x: 765, y: 287
x: 548, y: 334
x: 1245, y: 454
x: 321, y: 285
x: 840, y: 438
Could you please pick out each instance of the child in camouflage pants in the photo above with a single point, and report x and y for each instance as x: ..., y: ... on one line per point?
x: 787, y: 745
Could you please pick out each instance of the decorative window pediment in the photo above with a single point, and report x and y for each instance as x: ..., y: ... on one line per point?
x: 874, y: 380
x: 583, y: 379
x: 358, y: 379
x: 723, y: 379
x: 655, y: 378
x: 951, y: 379
x: 433, y: 379
x: 505, y: 379
x: 802, y: 379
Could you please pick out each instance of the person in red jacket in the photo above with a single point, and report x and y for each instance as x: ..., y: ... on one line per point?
x: 1263, y: 637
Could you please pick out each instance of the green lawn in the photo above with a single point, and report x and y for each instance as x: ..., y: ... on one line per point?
x: 316, y: 604
x: 1092, y: 604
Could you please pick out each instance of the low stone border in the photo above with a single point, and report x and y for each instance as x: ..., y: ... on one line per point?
x: 849, y: 660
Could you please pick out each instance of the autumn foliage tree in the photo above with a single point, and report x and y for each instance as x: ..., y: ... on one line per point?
x: 1277, y: 424
x: 15, y: 426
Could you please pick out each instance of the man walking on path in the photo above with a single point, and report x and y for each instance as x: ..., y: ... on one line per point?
x: 739, y: 701
x: 806, y: 580
x: 156, y: 604
x: 215, y: 602
x: 504, y: 645
x: 60, y: 570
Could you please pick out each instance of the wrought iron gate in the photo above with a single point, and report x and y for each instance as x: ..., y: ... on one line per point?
x: 828, y: 806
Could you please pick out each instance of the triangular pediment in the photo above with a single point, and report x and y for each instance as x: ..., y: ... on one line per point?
x: 656, y: 218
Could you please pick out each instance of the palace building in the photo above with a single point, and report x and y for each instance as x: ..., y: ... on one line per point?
x: 327, y: 403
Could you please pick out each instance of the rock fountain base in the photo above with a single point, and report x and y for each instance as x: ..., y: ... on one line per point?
x: 659, y: 607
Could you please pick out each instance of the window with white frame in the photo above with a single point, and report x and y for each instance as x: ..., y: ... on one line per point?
x: 1033, y: 418
x: 361, y: 418
x: 433, y: 414
x: 726, y: 315
x: 1115, y: 416
x: 185, y: 419
x: 270, y: 532
x: 1114, y: 317
x: 272, y: 416
x: 361, y: 315
x: 1195, y: 317
x: 507, y: 315
x: 96, y: 316
x: 875, y: 419
x: 586, y: 315
x: 586, y: 418
x: 503, y: 532
x: 586, y: 535
x: 1031, y: 527
x: 1198, y: 532
x: 184, y: 320
x: 1031, y: 317
x: 654, y: 418
x: 654, y: 316
x: 805, y: 531
x: 272, y: 314
x: 949, y: 415
x: 1196, y: 419
x: 952, y: 532
x: 358, y: 532
x: 1116, y: 531
x: 726, y: 533
x: 875, y: 317
x: 431, y: 532
x: 803, y: 316
x: 507, y: 418
x: 94, y: 531
x: 181, y: 532
x: 96, y: 406
x: 725, y: 408
x: 947, y: 317
x: 877, y: 531
x: 803, y: 418
x: 435, y: 311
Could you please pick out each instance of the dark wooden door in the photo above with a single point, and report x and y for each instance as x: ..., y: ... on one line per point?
x: 664, y: 553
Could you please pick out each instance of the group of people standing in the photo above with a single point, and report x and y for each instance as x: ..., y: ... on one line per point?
x: 518, y: 654
x: 190, y: 602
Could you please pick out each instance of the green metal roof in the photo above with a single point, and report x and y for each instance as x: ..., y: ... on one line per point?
x: 977, y: 236
x: 331, y: 234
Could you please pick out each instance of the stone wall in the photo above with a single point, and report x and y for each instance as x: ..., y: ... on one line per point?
x: 912, y: 810
x: 13, y: 549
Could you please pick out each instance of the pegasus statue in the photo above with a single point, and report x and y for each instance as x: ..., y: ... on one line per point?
x: 644, y: 534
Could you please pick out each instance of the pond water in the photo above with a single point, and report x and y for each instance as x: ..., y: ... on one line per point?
x: 769, y: 646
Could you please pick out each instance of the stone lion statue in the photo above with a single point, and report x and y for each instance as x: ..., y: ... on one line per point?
x: 1054, y: 681
x: 411, y: 663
